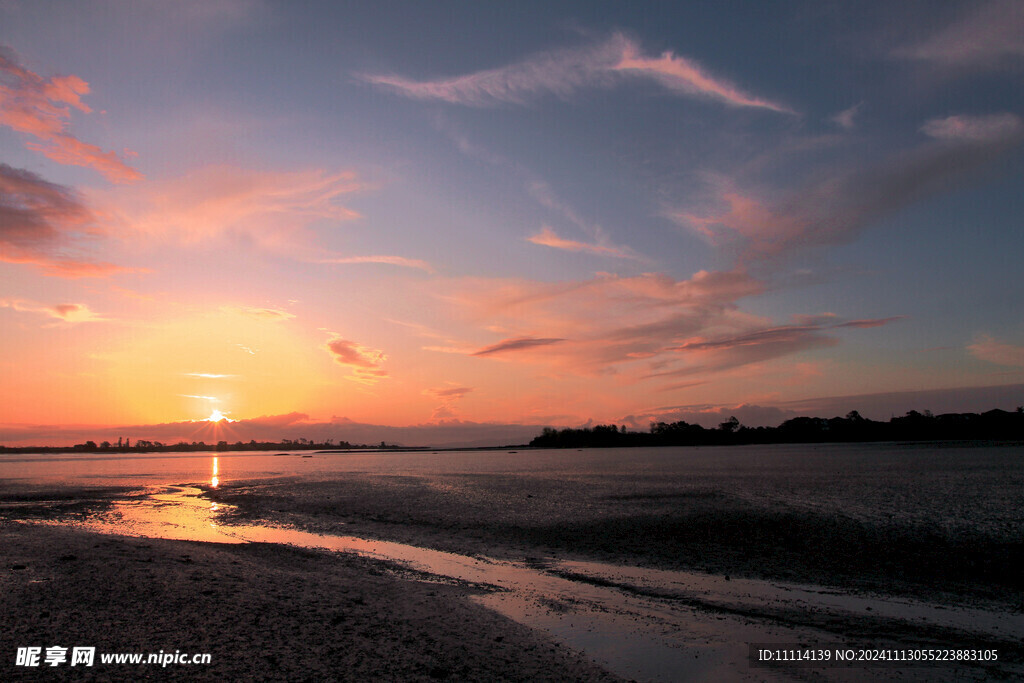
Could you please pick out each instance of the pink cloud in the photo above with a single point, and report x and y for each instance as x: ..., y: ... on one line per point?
x: 834, y: 209
x: 547, y: 237
x: 597, y: 326
x: 644, y: 328
x: 365, y: 363
x: 563, y: 72
x: 41, y: 108
x: 686, y: 76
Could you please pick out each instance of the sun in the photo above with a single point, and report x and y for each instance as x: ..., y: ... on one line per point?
x: 217, y: 416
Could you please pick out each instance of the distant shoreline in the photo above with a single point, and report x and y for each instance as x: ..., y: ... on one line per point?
x: 993, y: 425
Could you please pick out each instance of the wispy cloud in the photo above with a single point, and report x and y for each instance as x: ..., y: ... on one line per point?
x: 43, y: 224
x: 592, y: 326
x: 873, y: 322
x: 69, y: 313
x: 269, y: 314
x: 41, y: 107
x: 271, y: 209
x: 389, y: 260
x: 833, y: 210
x: 703, y: 354
x: 207, y: 375
x: 364, y: 362
x: 990, y: 129
x: 601, y: 244
x: 846, y: 118
x: 994, y: 351
x: 563, y: 72
x: 687, y: 77
x: 987, y: 35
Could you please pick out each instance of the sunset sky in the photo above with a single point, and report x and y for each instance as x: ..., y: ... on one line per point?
x: 452, y: 216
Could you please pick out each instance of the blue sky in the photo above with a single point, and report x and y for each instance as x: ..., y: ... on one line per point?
x: 427, y: 213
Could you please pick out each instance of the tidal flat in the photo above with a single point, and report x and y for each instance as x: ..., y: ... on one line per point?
x: 581, y: 565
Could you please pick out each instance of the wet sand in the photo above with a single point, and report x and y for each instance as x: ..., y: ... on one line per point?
x: 650, y: 522
x: 263, y: 612
x: 292, y: 614
x: 765, y: 572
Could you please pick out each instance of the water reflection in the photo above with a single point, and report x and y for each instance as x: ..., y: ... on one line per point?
x: 214, y: 480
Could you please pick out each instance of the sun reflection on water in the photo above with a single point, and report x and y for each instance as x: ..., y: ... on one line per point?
x: 214, y: 480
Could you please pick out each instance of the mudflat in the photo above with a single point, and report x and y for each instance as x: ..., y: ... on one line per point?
x: 652, y: 522
x: 262, y: 612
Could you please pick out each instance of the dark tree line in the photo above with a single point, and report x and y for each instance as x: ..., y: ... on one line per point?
x: 145, y: 446
x: 914, y: 426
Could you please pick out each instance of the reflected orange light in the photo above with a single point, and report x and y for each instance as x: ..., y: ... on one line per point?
x: 214, y: 480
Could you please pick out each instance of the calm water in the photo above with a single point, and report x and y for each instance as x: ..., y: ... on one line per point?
x: 957, y: 487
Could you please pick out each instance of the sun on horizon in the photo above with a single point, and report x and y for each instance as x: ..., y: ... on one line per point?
x: 217, y: 416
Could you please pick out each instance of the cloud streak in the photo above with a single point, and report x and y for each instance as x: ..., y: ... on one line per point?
x: 994, y: 351
x: 519, y: 344
x: 269, y: 314
x: 41, y: 107
x: 547, y: 238
x: 988, y: 36
x: 647, y: 327
x: 389, y: 260
x: 563, y: 72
